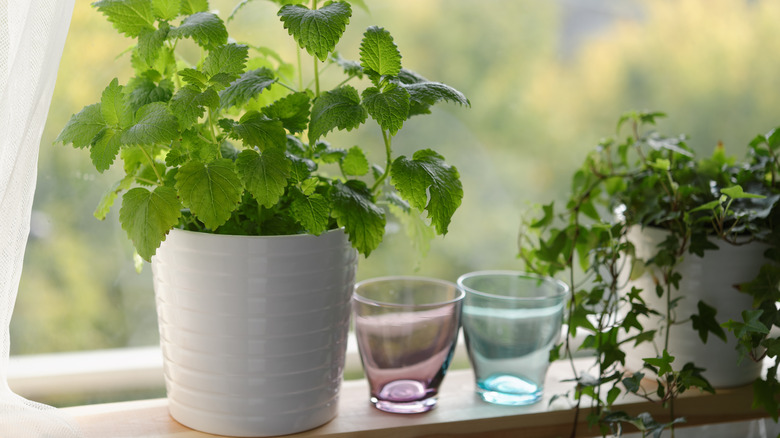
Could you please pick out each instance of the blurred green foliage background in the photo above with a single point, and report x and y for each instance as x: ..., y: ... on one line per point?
x: 546, y: 80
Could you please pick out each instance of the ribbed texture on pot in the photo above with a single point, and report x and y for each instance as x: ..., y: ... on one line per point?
x: 253, y: 329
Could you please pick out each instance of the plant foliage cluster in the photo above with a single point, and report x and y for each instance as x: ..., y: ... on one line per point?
x: 650, y: 180
x: 230, y: 144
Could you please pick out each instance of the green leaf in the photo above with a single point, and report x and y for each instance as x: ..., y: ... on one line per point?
x: 350, y: 67
x: 105, y: 149
x: 429, y: 183
x: 166, y: 10
x: 736, y: 192
x: 255, y: 129
x: 130, y: 17
x: 292, y: 110
x: 318, y: 31
x: 355, y: 162
x: 194, y: 78
x: 101, y: 211
x: 115, y: 111
x: 765, y: 395
x: 148, y: 216
x: 153, y: 124
x: 205, y: 28
x: 429, y: 93
x: 704, y: 322
x: 336, y: 109
x: 150, y: 43
x: 379, y: 53
x: 210, y: 190
x: 354, y: 209
x: 390, y: 108
x: 228, y: 60
x: 264, y: 175
x: 663, y: 363
x: 144, y: 91
x: 313, y: 211
x: 764, y: 287
x: 188, y: 104
x: 189, y: 7
x: 82, y: 128
x: 248, y: 86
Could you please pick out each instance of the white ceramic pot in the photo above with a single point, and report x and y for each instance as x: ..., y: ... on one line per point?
x: 711, y: 279
x: 253, y: 329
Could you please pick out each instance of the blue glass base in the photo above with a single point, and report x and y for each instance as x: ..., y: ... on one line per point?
x: 509, y: 390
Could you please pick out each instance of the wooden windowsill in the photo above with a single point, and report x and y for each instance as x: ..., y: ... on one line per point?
x: 459, y: 411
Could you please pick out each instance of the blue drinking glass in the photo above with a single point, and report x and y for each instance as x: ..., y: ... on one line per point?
x: 511, y: 320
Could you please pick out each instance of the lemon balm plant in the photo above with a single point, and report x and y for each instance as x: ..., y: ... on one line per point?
x: 230, y: 145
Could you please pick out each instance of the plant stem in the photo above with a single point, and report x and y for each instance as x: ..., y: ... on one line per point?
x: 152, y: 163
x: 300, y: 65
x: 388, y: 151
x: 316, y: 77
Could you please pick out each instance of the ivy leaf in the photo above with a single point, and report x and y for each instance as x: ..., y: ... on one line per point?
x: 354, y: 209
x: 148, y: 216
x: 355, y: 162
x: 764, y: 286
x: 704, y: 322
x: 130, y: 17
x: 736, y: 192
x: 264, y: 175
x: 255, y: 129
x: 663, y: 364
x: 113, y: 107
x: 378, y: 52
x: 313, y: 211
x: 292, y: 110
x: 390, y: 108
x: 248, y: 86
x: 101, y: 211
x: 751, y: 325
x: 105, y: 149
x: 189, y: 7
x: 205, y: 28
x: 166, y: 10
x: 429, y: 183
x: 210, y: 190
x: 227, y: 61
x: 339, y: 108
x: 153, y: 124
x: 83, y: 127
x: 765, y: 395
x: 318, y: 31
x: 150, y: 43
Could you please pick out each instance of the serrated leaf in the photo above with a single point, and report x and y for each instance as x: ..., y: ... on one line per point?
x: 318, y: 31
x: 293, y: 110
x: 354, y: 209
x: 101, y: 211
x: 339, y: 108
x: 194, y: 77
x: 429, y: 183
x: 189, y: 7
x: 188, y: 104
x: 83, y: 127
x: 255, y: 129
x: 264, y: 175
x: 229, y: 59
x: 148, y: 216
x: 313, y: 212
x: 389, y: 108
x: 379, y: 53
x: 205, y: 28
x: 350, y: 67
x: 105, y: 149
x: 150, y: 43
x: 153, y: 124
x: 166, y: 10
x: 355, y: 162
x: 115, y: 111
x: 130, y: 17
x: 429, y: 93
x: 144, y: 91
x: 210, y: 190
x: 248, y: 86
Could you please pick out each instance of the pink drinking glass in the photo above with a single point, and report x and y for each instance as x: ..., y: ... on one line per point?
x: 406, y: 329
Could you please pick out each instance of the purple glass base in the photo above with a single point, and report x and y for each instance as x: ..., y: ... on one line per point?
x: 405, y: 397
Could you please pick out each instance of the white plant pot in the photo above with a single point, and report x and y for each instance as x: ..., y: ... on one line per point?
x: 711, y: 279
x: 253, y: 329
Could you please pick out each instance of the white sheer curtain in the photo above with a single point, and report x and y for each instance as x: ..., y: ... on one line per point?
x: 32, y: 35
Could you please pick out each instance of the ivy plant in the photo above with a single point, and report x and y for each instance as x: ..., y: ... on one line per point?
x: 232, y: 143
x: 650, y: 180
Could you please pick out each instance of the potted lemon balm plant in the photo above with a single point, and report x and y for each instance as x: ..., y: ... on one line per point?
x: 251, y: 219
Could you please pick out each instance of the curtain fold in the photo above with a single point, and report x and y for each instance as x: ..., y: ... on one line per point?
x: 32, y: 36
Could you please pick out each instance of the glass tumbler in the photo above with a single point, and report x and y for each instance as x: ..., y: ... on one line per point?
x: 511, y: 320
x: 406, y: 328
